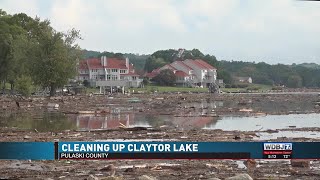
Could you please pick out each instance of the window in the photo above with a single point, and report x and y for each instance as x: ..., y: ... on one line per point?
x: 114, y: 77
x: 108, y: 77
x: 122, y: 71
x: 134, y: 77
x: 114, y: 70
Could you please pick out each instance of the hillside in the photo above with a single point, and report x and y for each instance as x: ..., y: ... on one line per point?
x: 162, y: 57
x: 89, y: 54
x: 301, y: 75
x: 310, y: 65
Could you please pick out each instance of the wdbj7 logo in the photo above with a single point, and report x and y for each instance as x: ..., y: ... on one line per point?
x: 277, y: 146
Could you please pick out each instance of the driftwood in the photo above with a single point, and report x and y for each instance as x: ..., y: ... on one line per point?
x: 121, y: 129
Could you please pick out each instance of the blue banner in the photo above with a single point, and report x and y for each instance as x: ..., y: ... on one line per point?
x: 159, y: 150
x: 27, y: 150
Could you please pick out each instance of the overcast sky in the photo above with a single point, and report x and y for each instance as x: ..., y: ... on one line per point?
x: 274, y: 31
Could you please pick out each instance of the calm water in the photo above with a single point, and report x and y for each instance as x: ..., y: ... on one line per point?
x: 54, y: 121
x: 292, y: 134
x: 266, y: 122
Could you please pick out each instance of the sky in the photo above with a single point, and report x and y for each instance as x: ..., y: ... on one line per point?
x: 273, y: 31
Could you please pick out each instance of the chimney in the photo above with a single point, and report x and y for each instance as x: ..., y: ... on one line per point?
x: 105, y: 60
x: 101, y: 61
x: 127, y: 63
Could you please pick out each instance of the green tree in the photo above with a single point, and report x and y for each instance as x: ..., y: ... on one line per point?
x: 222, y: 74
x: 294, y: 81
x: 55, y: 59
x: 24, y: 85
x: 154, y: 63
x: 165, y: 78
x: 13, y: 45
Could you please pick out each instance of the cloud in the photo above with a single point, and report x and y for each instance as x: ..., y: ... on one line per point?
x: 273, y: 30
x: 29, y: 7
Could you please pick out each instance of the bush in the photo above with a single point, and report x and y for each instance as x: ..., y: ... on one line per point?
x: 242, y: 85
x: 239, y: 85
x: 145, y: 81
x: 234, y: 86
x: 277, y: 88
x: 227, y: 86
x: 86, y: 83
x: 24, y: 85
x: 254, y: 88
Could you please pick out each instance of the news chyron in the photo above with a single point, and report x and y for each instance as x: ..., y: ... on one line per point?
x: 277, y: 150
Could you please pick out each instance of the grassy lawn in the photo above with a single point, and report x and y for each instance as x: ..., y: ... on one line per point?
x: 260, y: 87
x: 92, y: 90
x: 153, y: 88
x: 161, y: 89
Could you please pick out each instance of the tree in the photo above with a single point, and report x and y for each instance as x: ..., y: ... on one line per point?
x: 294, y: 81
x: 145, y: 81
x: 24, y: 85
x: 222, y: 74
x: 14, y: 45
x: 154, y: 63
x: 55, y: 59
x: 165, y: 78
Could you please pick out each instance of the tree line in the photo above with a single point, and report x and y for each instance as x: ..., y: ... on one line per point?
x: 34, y: 54
x: 294, y: 76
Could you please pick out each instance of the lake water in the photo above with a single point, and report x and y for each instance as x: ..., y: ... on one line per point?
x: 254, y: 123
x: 54, y: 121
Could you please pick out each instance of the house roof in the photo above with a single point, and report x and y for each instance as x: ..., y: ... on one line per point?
x: 181, y: 74
x: 156, y: 70
x: 116, y: 63
x: 205, y: 64
x: 83, y: 65
x: 152, y: 74
x: 112, y: 63
x: 200, y: 63
x: 181, y: 63
x: 94, y: 63
x: 168, y: 66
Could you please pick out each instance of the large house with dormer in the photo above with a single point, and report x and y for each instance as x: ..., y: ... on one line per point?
x: 108, y: 72
x: 190, y: 72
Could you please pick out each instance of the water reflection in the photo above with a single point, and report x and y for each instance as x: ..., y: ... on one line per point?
x: 54, y: 121
x: 89, y: 122
x: 42, y: 121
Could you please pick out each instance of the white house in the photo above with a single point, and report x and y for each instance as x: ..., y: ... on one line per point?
x: 108, y: 72
x: 190, y: 72
x: 244, y: 79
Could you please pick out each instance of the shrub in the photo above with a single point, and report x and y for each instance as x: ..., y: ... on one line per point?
x: 254, y: 88
x: 277, y: 88
x: 24, y: 85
